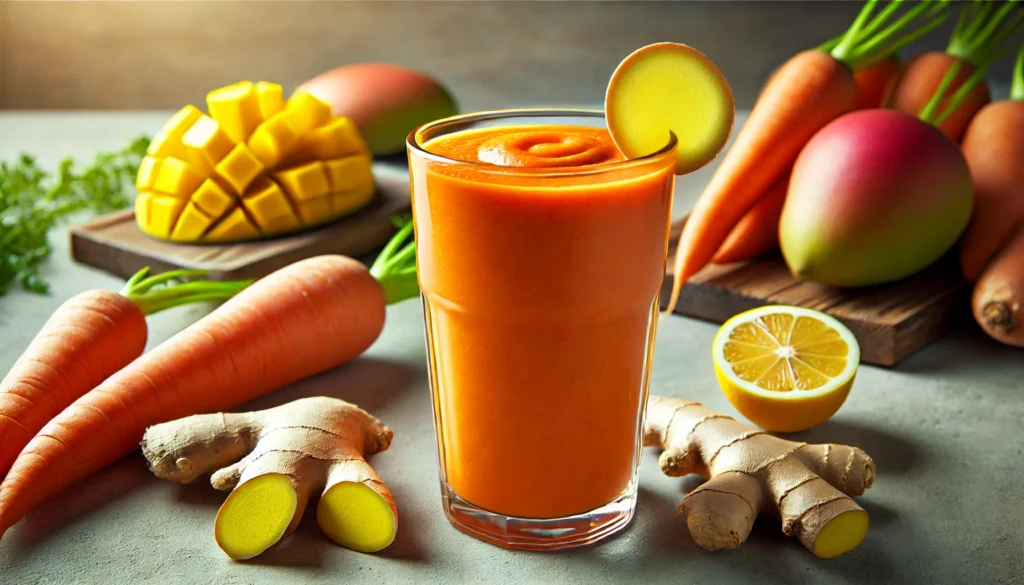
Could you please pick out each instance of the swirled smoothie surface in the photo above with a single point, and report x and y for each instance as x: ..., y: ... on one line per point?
x: 539, y: 146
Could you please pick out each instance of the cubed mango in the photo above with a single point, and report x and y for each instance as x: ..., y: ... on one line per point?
x: 271, y: 98
x: 305, y: 182
x: 142, y: 209
x: 149, y: 168
x: 315, y: 211
x: 306, y: 111
x: 273, y: 140
x: 239, y: 167
x: 163, y: 214
x: 206, y: 142
x: 177, y: 177
x: 212, y: 199
x: 191, y: 224
x: 336, y: 139
x: 181, y: 121
x: 163, y: 145
x: 237, y: 108
x: 269, y: 206
x: 234, y: 227
x: 352, y: 173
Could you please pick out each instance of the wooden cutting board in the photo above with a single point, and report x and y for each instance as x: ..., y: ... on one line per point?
x: 114, y: 243
x: 890, y: 321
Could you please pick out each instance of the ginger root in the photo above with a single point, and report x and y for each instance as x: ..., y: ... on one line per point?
x: 273, y: 461
x: 750, y: 472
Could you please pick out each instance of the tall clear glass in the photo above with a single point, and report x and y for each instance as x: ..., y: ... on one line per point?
x: 540, y: 291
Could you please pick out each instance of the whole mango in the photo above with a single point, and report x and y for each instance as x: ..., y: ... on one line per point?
x: 386, y: 101
x: 875, y: 196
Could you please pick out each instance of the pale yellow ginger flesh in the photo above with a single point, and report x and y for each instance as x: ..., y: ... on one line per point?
x: 274, y: 461
x: 750, y: 472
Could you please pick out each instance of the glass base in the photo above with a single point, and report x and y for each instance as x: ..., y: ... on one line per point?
x: 539, y: 534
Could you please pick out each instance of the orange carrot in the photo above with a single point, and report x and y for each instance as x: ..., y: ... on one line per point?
x: 919, y: 81
x: 806, y: 93
x: 758, y: 231
x: 301, y: 320
x: 875, y: 82
x: 87, y: 339
x: 994, y: 148
x: 973, y: 47
x: 998, y: 299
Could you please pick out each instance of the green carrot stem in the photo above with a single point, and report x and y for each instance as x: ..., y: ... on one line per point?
x: 879, y: 20
x: 170, y: 289
x: 869, y: 58
x: 887, y: 35
x: 928, y: 112
x: 976, y: 20
x: 869, y: 30
x: 849, y: 40
x: 395, y: 266
x: 1017, y: 89
x: 957, y: 99
x: 150, y: 308
x: 870, y: 40
x: 983, y: 31
x: 962, y: 20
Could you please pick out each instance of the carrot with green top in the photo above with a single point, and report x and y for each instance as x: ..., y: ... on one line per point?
x: 809, y: 91
x: 304, y: 319
x: 994, y: 148
x: 982, y: 27
x: 86, y: 340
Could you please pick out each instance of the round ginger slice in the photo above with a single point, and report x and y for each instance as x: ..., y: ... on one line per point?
x: 670, y: 87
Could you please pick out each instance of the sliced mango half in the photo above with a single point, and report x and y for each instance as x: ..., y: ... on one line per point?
x: 255, y: 166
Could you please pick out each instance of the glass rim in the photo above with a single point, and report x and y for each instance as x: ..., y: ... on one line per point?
x: 413, y: 144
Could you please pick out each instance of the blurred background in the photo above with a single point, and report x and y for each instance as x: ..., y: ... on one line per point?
x: 159, y: 55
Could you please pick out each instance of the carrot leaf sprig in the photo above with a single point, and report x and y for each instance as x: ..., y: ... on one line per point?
x: 1017, y: 89
x: 174, y: 288
x: 33, y: 201
x: 874, y: 37
x: 395, y: 267
x: 981, y: 29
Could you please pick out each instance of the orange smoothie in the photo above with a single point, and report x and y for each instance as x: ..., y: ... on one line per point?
x: 541, y: 254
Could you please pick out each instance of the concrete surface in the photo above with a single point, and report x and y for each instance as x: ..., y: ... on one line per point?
x: 944, y: 429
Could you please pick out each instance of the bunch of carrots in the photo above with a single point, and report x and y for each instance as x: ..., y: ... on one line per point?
x: 737, y: 216
x: 83, y: 393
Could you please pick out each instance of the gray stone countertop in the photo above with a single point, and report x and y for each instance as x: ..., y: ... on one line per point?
x: 945, y: 429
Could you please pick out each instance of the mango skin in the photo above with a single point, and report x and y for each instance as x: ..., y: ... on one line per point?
x: 875, y: 196
x: 387, y: 102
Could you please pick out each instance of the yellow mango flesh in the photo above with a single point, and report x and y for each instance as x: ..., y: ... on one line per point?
x: 255, y: 166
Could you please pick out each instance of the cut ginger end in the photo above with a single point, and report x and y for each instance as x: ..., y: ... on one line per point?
x: 670, y: 88
x: 357, y: 517
x: 841, y: 534
x: 256, y: 516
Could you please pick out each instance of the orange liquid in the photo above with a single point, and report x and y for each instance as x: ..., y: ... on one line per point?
x: 540, y: 298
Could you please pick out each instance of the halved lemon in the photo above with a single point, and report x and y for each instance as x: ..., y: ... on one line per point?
x: 786, y: 369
